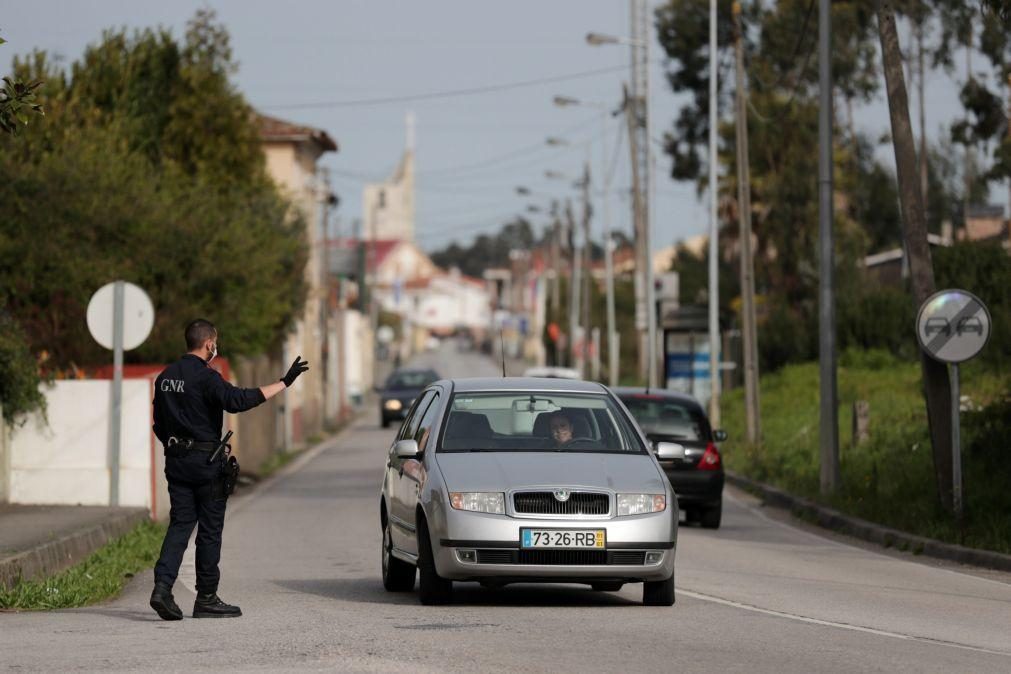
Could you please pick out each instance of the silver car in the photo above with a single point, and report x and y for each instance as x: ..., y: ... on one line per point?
x: 526, y: 480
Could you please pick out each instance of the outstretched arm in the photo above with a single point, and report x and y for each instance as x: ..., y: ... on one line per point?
x: 271, y: 390
x: 297, y: 367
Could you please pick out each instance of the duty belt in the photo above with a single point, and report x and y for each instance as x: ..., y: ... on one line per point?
x: 189, y: 443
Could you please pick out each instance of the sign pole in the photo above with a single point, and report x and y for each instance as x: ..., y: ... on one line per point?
x: 953, y: 326
x: 115, y: 418
x: 956, y: 450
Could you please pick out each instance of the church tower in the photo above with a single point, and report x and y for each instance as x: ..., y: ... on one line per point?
x: 388, y: 207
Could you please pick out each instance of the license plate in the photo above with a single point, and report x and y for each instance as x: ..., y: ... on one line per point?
x: 563, y: 538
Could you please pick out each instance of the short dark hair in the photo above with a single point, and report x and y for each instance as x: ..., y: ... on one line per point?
x: 198, y: 332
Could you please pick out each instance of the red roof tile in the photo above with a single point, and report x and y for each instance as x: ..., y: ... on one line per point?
x: 279, y: 130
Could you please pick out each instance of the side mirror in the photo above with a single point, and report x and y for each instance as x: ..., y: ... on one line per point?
x: 669, y: 450
x: 719, y: 436
x: 407, y: 449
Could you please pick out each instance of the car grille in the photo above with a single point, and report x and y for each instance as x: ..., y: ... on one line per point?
x: 545, y: 503
x: 563, y: 557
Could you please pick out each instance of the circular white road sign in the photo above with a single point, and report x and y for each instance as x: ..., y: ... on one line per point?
x: 953, y: 325
x: 138, y: 315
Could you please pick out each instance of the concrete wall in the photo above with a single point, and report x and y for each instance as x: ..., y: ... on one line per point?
x: 66, y: 460
x: 5, y: 463
x: 256, y: 431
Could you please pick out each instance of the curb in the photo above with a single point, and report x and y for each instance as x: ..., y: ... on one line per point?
x: 829, y: 518
x: 54, y: 556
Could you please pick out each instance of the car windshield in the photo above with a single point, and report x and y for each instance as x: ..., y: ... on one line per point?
x: 662, y: 416
x: 411, y: 379
x: 537, y: 421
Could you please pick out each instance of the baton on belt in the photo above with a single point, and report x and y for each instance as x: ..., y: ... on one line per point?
x: 221, y: 445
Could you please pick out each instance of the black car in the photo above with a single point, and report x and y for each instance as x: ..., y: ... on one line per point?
x: 400, y: 390
x: 667, y: 416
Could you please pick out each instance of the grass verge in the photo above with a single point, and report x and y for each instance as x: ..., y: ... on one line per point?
x: 889, y: 478
x: 101, y: 576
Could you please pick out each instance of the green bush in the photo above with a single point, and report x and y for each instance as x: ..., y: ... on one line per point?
x: 878, y: 318
x: 19, y: 375
x: 889, y: 478
x: 983, y: 269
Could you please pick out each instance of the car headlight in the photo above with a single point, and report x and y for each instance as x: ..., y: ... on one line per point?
x: 393, y: 405
x: 478, y: 501
x: 640, y: 504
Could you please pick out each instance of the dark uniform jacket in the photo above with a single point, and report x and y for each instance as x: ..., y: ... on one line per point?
x: 189, y: 398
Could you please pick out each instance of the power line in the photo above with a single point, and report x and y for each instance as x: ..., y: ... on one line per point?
x: 518, y: 152
x: 449, y: 93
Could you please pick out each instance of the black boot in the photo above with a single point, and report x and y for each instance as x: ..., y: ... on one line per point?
x: 164, y: 604
x: 211, y: 606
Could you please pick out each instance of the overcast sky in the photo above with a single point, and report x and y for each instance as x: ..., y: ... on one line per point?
x: 472, y: 151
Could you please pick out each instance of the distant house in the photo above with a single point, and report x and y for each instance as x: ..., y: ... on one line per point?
x: 987, y: 223
x: 890, y: 267
x: 291, y: 152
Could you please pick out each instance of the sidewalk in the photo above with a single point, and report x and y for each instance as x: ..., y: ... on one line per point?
x: 38, y: 541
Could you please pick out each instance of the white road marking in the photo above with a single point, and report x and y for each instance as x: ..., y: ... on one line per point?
x: 828, y: 623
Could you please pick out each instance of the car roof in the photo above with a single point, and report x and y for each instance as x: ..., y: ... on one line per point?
x: 622, y: 391
x: 474, y: 384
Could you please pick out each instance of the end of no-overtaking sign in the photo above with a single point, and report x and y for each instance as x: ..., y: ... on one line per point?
x: 953, y: 326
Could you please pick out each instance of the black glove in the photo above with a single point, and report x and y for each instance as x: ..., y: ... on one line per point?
x: 297, y: 368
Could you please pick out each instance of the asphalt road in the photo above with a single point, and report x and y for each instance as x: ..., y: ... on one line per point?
x: 301, y: 556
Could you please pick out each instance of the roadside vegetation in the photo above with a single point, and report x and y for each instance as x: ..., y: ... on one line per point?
x: 889, y: 477
x: 99, y: 577
x: 147, y: 166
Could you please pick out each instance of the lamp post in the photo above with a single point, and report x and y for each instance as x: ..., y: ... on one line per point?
x: 641, y: 91
x: 612, y: 349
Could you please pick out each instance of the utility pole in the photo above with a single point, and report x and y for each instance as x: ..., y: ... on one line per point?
x: 587, y: 264
x: 923, y: 113
x: 968, y: 148
x: 639, y: 144
x: 714, y: 231
x: 574, y: 277
x: 829, y: 401
x: 556, y: 261
x: 748, y: 327
x: 605, y: 198
x: 650, y: 211
x: 373, y: 300
x: 637, y: 228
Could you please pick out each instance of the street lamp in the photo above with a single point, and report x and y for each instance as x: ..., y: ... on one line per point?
x: 597, y: 39
x: 612, y: 348
x: 645, y: 292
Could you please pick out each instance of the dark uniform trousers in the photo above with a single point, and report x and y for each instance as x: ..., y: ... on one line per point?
x: 195, y: 497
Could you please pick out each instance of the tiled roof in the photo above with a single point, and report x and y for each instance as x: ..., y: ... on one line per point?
x: 279, y: 130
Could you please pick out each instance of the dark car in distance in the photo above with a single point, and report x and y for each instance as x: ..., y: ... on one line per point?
x: 668, y: 416
x: 400, y: 390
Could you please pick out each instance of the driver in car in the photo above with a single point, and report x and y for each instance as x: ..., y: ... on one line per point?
x: 561, y: 429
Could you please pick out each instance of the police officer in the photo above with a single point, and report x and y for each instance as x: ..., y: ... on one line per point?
x: 188, y: 403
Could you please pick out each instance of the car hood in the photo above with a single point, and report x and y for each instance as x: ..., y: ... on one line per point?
x: 502, y: 471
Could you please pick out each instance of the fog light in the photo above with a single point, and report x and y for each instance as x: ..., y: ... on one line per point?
x: 654, y: 557
x: 468, y: 556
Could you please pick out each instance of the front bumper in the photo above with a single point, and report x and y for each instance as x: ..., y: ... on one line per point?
x: 494, y: 541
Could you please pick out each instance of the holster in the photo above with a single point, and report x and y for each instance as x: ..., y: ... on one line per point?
x: 228, y: 477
